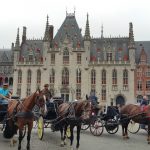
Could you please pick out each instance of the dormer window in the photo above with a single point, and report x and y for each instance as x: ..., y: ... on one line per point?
x: 109, y: 56
x: 66, y: 56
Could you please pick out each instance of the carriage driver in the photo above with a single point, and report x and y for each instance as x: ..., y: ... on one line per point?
x: 47, y: 92
x: 4, y: 92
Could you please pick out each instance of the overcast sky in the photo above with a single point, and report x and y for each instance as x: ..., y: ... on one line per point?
x: 115, y: 16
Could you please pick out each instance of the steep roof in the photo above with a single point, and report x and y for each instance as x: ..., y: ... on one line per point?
x: 119, y: 46
x: 32, y: 47
x: 69, y: 29
x: 139, y: 45
x: 5, y: 55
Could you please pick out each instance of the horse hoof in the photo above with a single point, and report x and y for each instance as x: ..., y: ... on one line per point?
x: 62, y: 145
x: 127, y: 137
x: 148, y: 142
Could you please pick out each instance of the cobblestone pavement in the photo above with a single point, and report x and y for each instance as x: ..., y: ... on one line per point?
x: 51, y: 141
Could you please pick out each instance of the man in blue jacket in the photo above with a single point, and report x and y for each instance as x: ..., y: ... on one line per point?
x: 4, y: 92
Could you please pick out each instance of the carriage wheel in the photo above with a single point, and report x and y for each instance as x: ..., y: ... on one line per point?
x: 97, y: 128
x: 133, y: 127
x: 84, y: 126
x: 112, y: 126
x: 68, y: 133
x: 40, y: 127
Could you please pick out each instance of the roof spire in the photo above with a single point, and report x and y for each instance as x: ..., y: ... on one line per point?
x: 17, y: 44
x: 24, y: 34
x: 87, y: 29
x: 131, y: 36
x: 46, y: 35
x: 102, y: 31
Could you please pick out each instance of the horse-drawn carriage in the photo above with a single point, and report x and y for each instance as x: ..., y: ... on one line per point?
x: 3, y: 111
x: 47, y: 121
x: 109, y: 119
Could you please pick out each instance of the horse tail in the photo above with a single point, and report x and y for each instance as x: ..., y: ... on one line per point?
x: 10, y: 129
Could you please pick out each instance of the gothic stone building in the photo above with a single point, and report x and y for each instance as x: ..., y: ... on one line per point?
x: 6, y: 67
x: 75, y: 65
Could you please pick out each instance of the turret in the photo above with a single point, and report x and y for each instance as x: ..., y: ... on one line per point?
x: 47, y: 35
x: 87, y: 41
x: 16, y: 49
x: 87, y: 30
x: 131, y: 46
x: 17, y: 44
x: 24, y: 35
x: 102, y: 31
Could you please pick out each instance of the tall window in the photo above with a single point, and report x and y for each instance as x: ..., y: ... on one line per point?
x: 114, y: 77
x: 148, y: 85
x: 148, y: 72
x: 103, y: 93
x: 28, y: 90
x: 139, y: 85
x: 52, y: 58
x: 19, y: 77
x: 109, y: 56
x: 93, y: 76
x: 103, y: 77
x: 30, y: 58
x: 79, y: 58
x: 38, y: 77
x: 29, y: 77
x: 19, y: 90
x: 125, y: 77
x: 65, y: 76
x: 52, y: 77
x: 66, y: 56
x: 78, y: 76
x: 78, y: 93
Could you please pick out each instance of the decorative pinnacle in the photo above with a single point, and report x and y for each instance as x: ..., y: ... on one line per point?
x: 87, y: 29
x: 17, y: 44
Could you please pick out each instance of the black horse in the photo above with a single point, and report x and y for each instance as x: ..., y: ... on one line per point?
x: 72, y: 115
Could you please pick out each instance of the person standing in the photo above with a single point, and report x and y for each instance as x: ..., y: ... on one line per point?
x: 143, y: 103
x: 47, y: 92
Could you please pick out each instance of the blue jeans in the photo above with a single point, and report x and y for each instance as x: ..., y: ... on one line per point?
x: 3, y: 101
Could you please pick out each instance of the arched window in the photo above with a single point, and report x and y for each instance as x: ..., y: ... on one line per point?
x: 52, y: 77
x: 6, y: 80
x: 10, y: 81
x: 78, y: 76
x: 19, y: 77
x: 78, y: 93
x: 29, y: 77
x: 65, y: 76
x: 93, y: 76
x: 103, y: 93
x: 66, y: 56
x: 38, y: 76
x: 125, y: 77
x: 114, y: 77
x: 103, y: 76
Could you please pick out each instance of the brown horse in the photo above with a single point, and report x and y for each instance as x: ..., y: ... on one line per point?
x: 138, y: 115
x: 72, y: 114
x: 20, y: 114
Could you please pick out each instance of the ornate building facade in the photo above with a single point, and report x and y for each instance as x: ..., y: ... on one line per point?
x: 75, y: 65
x: 142, y: 72
x: 6, y: 67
